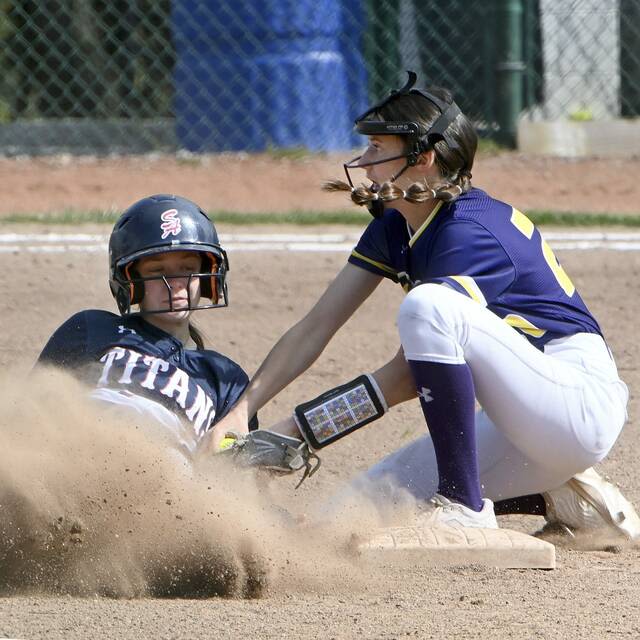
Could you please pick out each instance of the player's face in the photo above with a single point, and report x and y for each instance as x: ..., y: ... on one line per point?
x: 379, y: 148
x: 173, y: 288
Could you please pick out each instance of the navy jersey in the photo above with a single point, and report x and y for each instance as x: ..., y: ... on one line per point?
x: 128, y: 353
x: 486, y: 250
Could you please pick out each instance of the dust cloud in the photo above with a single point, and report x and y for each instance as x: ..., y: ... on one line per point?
x: 90, y: 505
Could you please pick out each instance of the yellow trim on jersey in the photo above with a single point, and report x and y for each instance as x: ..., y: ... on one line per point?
x: 379, y: 265
x: 526, y: 227
x: 470, y: 286
x: 560, y: 274
x: 522, y: 223
x: 425, y: 224
x: 518, y: 322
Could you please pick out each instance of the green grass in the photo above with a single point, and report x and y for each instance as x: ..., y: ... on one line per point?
x: 581, y: 219
x: 303, y: 218
x: 71, y: 216
x: 292, y: 153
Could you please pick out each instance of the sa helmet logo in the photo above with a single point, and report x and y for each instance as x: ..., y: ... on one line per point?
x: 170, y: 223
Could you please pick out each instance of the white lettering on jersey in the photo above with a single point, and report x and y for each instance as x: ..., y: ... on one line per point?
x: 128, y: 370
x: 203, y: 406
x: 177, y: 384
x: 179, y: 381
x: 155, y: 365
x: 117, y: 353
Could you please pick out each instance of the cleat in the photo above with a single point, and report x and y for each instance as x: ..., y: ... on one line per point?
x: 454, y: 514
x: 587, y: 502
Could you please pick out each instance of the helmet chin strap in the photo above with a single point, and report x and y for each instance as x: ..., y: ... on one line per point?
x: 406, y: 166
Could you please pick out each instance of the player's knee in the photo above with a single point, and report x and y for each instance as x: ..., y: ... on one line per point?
x: 431, y: 317
x: 429, y: 304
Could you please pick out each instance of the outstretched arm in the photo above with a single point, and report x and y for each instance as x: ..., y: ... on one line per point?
x: 394, y: 380
x: 299, y: 347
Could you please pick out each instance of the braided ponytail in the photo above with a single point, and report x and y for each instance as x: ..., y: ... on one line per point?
x: 416, y: 193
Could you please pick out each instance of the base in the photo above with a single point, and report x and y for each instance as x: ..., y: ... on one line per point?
x: 446, y: 546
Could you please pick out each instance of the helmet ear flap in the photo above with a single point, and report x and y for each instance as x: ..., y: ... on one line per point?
x: 209, y: 286
x: 123, y: 300
x: 136, y: 289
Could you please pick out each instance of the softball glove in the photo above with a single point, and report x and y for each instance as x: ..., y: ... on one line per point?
x: 273, y: 452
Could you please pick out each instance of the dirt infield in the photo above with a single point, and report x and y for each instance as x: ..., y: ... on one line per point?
x: 592, y: 594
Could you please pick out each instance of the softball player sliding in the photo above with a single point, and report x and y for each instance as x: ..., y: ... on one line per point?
x: 489, y: 315
x: 165, y: 262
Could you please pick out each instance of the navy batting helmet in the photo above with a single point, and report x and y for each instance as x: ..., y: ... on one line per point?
x: 158, y: 224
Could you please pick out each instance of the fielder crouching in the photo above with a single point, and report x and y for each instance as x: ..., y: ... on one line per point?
x: 490, y: 316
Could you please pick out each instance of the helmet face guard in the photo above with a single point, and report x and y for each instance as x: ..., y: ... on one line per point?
x: 159, y: 224
x: 138, y: 283
x: 213, y: 286
x: 419, y: 140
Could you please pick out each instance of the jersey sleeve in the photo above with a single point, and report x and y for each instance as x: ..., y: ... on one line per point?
x: 67, y: 347
x: 234, y: 381
x: 235, y: 388
x: 372, y: 252
x: 468, y: 258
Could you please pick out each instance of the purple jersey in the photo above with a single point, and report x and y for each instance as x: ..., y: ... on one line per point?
x: 488, y: 251
x: 129, y: 354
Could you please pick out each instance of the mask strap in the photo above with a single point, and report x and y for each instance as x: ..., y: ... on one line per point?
x: 406, y: 166
x: 351, y: 165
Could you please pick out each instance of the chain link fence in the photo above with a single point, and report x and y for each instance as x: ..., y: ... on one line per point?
x: 134, y: 76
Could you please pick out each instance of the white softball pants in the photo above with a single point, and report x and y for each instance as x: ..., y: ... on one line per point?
x: 543, y: 418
